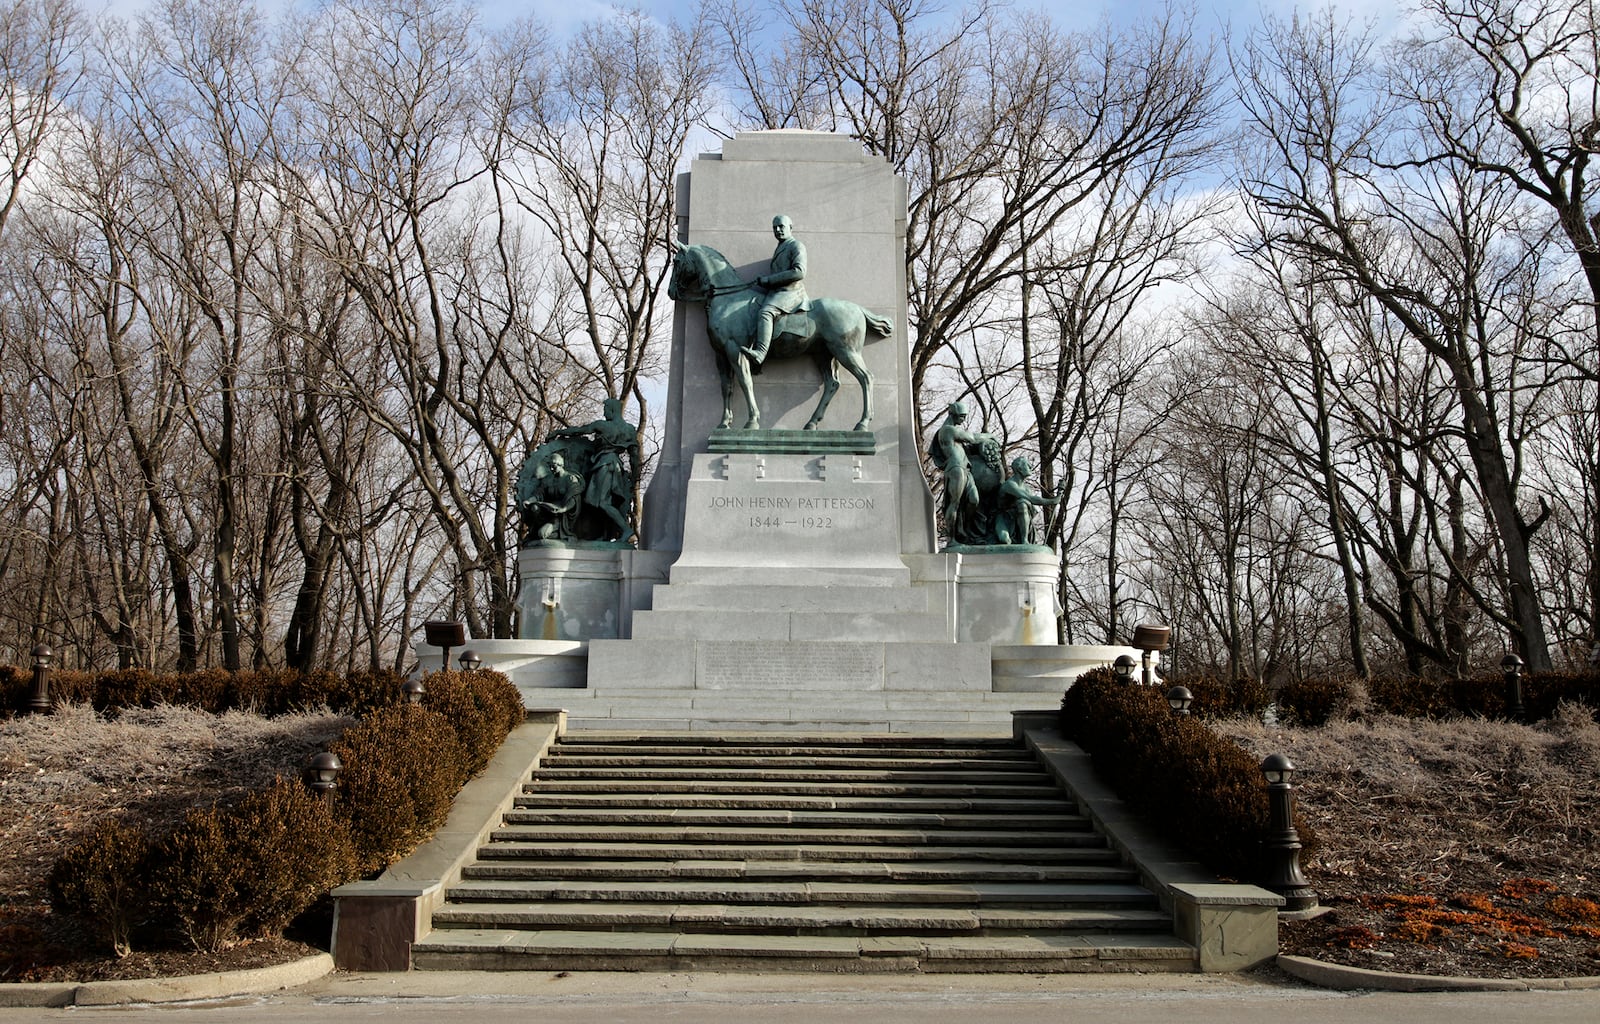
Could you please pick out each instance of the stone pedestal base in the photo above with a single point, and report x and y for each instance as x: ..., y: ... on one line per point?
x: 1007, y: 598
x: 584, y: 593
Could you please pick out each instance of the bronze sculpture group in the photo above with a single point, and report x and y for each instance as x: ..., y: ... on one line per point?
x: 578, y: 485
x: 983, y: 507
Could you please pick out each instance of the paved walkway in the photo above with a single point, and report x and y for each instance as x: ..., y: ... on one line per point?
x: 619, y: 998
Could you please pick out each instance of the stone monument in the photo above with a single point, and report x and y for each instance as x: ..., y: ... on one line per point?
x: 789, y: 575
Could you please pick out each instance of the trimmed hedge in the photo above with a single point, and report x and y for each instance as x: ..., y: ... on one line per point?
x: 1314, y: 702
x: 1203, y: 791
x: 481, y: 711
x: 1215, y: 697
x: 269, y: 692
x: 250, y: 867
x: 406, y: 761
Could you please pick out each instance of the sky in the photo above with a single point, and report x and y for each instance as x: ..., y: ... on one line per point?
x: 1217, y: 15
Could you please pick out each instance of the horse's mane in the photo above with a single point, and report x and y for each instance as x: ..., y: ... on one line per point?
x: 718, y: 271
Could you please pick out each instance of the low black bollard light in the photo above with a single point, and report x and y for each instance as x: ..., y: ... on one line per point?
x: 322, y: 775
x: 1178, y: 699
x: 413, y: 690
x: 1282, y: 841
x: 1123, y: 668
x: 1511, y: 665
x: 469, y: 660
x: 39, y: 700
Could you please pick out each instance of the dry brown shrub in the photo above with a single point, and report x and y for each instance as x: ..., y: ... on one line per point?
x: 63, y: 774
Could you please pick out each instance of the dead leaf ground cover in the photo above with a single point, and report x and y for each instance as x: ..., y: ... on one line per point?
x: 61, y: 774
x: 1460, y: 847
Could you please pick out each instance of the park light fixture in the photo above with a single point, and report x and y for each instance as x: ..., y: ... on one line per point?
x: 1150, y: 638
x: 1123, y: 668
x: 469, y: 660
x: 412, y: 690
x: 1178, y: 699
x: 1282, y: 842
x: 39, y: 700
x: 444, y: 634
x: 1511, y: 667
x: 322, y: 775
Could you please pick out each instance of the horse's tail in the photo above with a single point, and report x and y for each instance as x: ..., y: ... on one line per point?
x: 882, y: 326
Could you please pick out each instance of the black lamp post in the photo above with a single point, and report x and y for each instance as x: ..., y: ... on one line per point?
x: 322, y: 775
x: 1123, y: 668
x: 1178, y: 699
x: 39, y: 701
x: 1511, y: 665
x: 1283, y: 842
x: 469, y: 660
x: 444, y: 634
x: 412, y: 690
x: 1149, y: 639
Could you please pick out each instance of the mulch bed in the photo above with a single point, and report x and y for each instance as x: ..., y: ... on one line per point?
x: 38, y: 946
x: 1456, y: 848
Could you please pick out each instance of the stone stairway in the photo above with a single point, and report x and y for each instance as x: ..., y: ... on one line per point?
x: 658, y: 852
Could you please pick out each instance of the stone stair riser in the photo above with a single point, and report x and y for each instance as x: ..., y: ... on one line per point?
x: 882, y: 853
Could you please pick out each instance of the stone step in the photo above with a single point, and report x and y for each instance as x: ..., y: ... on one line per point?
x: 1062, y: 851
x: 847, y: 599
x: 723, y: 894
x: 800, y: 787
x: 779, y: 740
x: 780, y: 774
x: 741, y: 852
x: 789, y: 920
x: 748, y: 836
x: 968, y: 752
x: 737, y: 624
x: 767, y: 818
x: 540, y: 798
x: 591, y: 763
x: 1078, y: 864
x: 561, y: 949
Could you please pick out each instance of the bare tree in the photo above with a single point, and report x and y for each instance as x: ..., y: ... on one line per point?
x: 1510, y: 91
x: 40, y: 42
x: 1431, y: 245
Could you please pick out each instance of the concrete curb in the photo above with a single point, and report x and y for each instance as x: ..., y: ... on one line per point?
x: 1344, y: 977
x: 168, y: 990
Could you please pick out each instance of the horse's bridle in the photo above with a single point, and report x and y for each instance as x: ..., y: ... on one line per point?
x: 714, y: 290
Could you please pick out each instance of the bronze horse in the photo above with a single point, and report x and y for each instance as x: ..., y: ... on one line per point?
x: 832, y: 331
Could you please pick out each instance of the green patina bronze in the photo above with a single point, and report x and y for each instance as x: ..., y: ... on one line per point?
x: 576, y: 489
x: 748, y: 323
x: 983, y: 510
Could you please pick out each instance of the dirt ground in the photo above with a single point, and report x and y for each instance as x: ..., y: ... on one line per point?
x: 1446, y: 848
